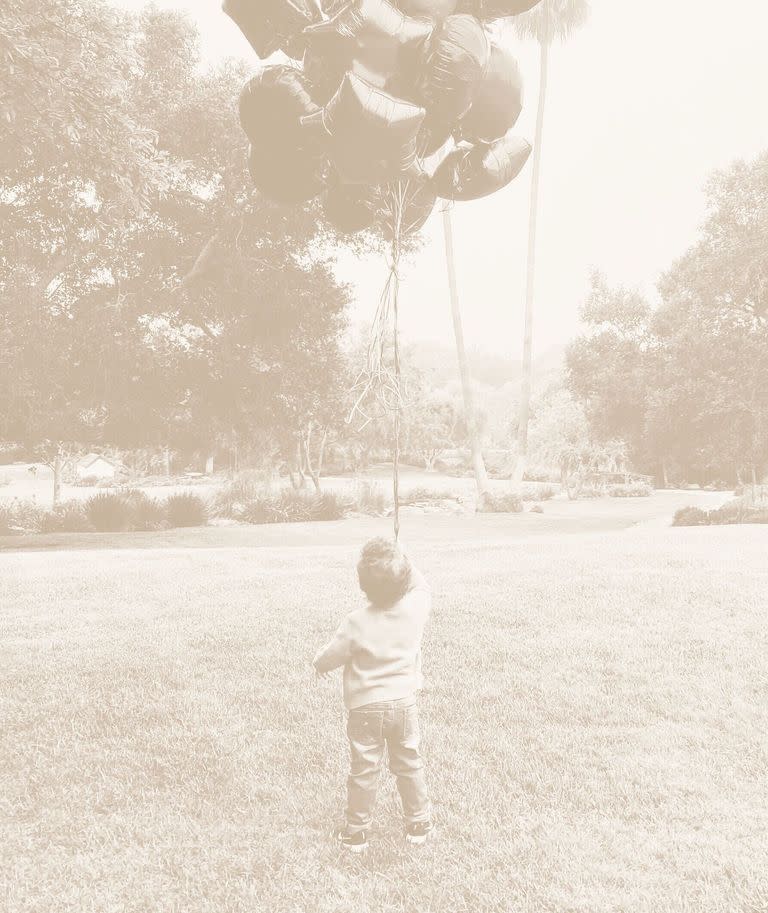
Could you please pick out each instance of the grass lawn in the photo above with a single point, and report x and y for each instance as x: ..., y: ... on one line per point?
x: 595, y: 727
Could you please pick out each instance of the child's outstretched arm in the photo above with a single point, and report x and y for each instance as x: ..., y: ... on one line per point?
x: 418, y: 580
x: 336, y: 652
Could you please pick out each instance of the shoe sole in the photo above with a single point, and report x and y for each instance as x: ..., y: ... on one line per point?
x: 417, y: 841
x: 355, y: 848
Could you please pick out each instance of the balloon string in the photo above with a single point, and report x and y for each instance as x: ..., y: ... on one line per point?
x: 395, y: 288
x: 377, y: 378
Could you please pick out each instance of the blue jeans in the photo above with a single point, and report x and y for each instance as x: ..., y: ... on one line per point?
x: 394, y: 724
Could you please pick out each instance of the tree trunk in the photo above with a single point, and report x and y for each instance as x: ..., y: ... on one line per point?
x: 478, y: 464
x: 314, y: 470
x: 321, y: 453
x: 300, y: 466
x: 527, y: 379
x: 664, y: 473
x: 57, y: 469
x: 235, y: 457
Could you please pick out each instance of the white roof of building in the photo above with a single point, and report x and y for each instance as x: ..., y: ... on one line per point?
x: 90, y: 458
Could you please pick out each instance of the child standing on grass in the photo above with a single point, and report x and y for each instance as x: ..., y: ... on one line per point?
x: 379, y: 646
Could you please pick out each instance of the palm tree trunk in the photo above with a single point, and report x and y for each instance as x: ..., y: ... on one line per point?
x: 478, y: 464
x: 526, y: 383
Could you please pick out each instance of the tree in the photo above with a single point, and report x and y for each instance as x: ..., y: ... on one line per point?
x: 478, y: 464
x: 712, y: 331
x: 78, y: 167
x: 607, y: 365
x: 113, y: 330
x: 549, y: 20
x: 686, y: 385
x: 561, y: 438
x: 433, y: 425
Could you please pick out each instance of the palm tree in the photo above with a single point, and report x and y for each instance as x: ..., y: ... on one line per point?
x: 550, y: 20
x: 478, y: 464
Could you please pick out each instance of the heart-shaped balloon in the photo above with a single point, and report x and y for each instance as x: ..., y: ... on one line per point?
x: 497, y: 99
x: 285, y: 175
x: 286, y: 163
x: 472, y: 172
x: 273, y: 103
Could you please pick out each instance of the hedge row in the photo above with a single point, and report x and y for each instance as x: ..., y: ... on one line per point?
x: 104, y: 512
x: 729, y: 514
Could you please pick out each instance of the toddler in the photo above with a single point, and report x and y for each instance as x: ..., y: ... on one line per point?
x: 379, y: 646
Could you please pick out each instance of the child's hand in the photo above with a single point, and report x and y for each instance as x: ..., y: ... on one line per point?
x: 321, y: 675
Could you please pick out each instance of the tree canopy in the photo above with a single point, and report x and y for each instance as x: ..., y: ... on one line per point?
x: 147, y: 294
x: 686, y: 384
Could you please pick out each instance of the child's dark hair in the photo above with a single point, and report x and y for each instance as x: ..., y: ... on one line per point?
x: 384, y: 572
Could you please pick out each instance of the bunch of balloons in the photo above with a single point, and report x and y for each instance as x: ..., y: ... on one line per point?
x: 380, y: 94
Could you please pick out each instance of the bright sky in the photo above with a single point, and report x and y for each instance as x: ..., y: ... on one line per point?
x: 643, y: 104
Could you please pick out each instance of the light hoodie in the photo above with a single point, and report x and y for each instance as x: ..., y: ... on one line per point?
x: 380, y: 649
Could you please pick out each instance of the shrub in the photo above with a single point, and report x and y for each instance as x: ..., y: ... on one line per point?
x: 302, y: 506
x: 635, y: 489
x: 69, y: 517
x: 506, y: 503
x: 330, y: 506
x: 538, y: 491
x: 372, y: 499
x: 539, y: 474
x: 258, y: 512
x: 590, y: 492
x: 19, y: 516
x: 461, y: 470
x: 145, y: 513
x: 247, y: 487
x: 185, y: 509
x: 289, y: 506
x: 108, y: 513
x: 419, y: 495
x: 730, y: 513
x: 690, y: 516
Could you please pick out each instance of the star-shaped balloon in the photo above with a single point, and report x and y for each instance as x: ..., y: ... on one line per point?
x: 372, y: 135
x: 371, y: 38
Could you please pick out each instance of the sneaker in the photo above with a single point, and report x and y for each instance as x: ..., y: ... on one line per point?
x: 355, y: 843
x: 418, y: 832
